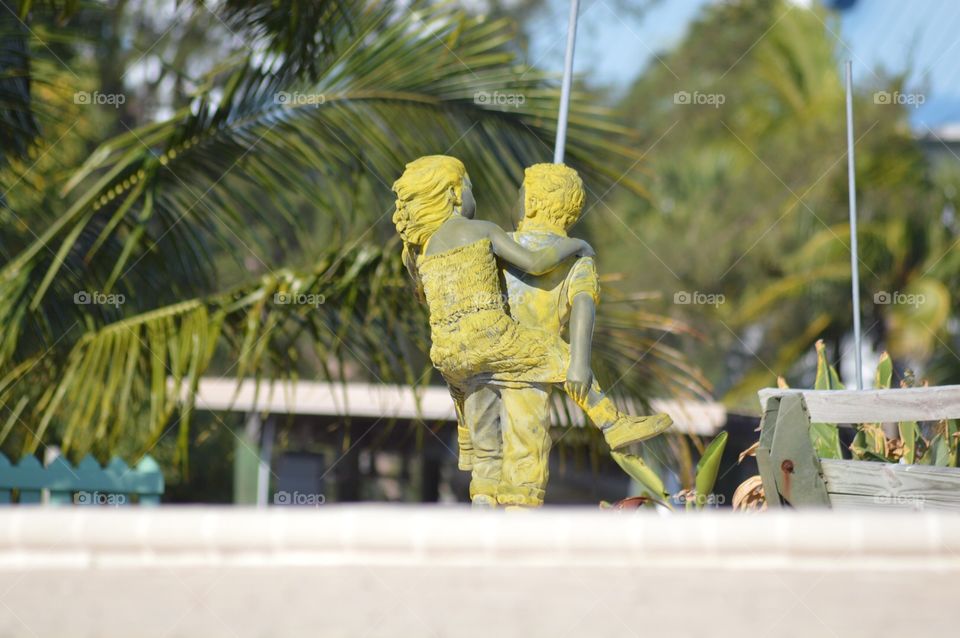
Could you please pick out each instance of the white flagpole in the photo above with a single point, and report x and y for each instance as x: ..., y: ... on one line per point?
x: 567, y: 82
x: 854, y: 252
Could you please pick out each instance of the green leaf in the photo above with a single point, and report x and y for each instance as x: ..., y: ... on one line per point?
x: 825, y: 436
x: 638, y: 470
x: 827, y: 377
x: 909, y: 435
x: 953, y: 441
x: 869, y: 440
x: 940, y: 451
x: 708, y: 467
x: 884, y: 376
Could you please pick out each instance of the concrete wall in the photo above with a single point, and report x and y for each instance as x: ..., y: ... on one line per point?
x: 430, y: 571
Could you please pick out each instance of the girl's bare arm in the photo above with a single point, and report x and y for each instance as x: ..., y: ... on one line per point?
x: 535, y: 262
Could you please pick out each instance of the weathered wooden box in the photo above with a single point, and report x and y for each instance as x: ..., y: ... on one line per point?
x: 793, y: 475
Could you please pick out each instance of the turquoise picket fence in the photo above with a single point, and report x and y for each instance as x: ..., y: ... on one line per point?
x: 84, y: 484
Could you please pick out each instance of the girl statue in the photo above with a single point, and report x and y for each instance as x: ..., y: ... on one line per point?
x: 452, y: 258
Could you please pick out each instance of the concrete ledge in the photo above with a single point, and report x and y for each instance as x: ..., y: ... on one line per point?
x: 422, y: 571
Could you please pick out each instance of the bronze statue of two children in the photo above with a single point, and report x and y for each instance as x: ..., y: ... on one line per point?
x: 499, y: 304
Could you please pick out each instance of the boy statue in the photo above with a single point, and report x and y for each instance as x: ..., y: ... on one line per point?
x: 509, y: 423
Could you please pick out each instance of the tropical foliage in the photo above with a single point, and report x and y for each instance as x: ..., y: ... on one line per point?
x: 247, y: 231
x: 698, y: 496
x: 914, y: 443
x: 743, y: 123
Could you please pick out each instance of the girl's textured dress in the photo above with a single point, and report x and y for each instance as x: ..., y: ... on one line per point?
x: 474, y: 338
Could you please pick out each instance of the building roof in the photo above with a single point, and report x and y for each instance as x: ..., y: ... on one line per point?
x: 427, y: 403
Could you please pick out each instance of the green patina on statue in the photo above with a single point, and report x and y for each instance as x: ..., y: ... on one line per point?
x: 500, y: 360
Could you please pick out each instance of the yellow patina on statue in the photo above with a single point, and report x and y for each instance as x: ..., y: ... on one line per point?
x: 475, y: 342
x: 510, y: 423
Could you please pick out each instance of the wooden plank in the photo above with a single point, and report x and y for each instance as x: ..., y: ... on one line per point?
x: 858, y: 502
x: 876, y: 406
x: 768, y: 427
x: 890, y: 484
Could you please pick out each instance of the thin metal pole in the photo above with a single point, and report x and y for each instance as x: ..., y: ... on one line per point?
x: 567, y: 82
x: 854, y: 251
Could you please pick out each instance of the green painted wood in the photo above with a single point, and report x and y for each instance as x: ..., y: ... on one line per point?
x: 148, y: 478
x: 246, y: 466
x: 61, y: 476
x: 851, y: 483
x: 768, y: 426
x: 29, y: 475
x: 6, y: 495
x: 87, y: 483
x: 30, y: 497
x: 793, y: 462
x: 59, y: 497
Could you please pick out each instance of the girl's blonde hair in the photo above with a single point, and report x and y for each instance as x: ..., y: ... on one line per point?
x: 428, y: 192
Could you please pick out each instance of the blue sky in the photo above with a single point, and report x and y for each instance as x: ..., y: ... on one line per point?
x: 614, y: 46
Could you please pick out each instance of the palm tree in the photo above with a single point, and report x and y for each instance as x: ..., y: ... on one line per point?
x: 760, y: 180
x: 275, y: 176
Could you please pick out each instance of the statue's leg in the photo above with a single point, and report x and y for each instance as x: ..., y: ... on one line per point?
x: 464, y: 444
x: 482, y: 415
x: 620, y: 429
x: 525, y: 423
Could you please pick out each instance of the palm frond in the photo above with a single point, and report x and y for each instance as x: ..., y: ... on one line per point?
x: 18, y: 126
x: 126, y: 380
x: 289, y: 164
x: 136, y: 377
x: 303, y: 34
x: 424, y: 83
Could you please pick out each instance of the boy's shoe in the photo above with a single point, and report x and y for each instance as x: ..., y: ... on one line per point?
x: 482, y: 501
x: 629, y: 429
